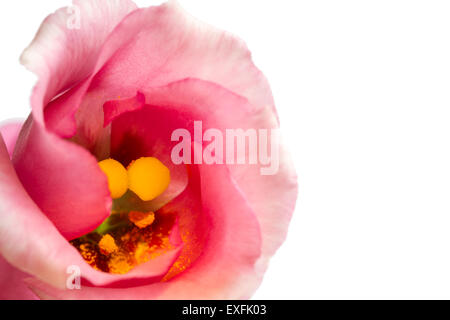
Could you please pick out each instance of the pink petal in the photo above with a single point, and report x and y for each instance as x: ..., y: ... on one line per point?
x: 220, y: 109
x: 12, y: 286
x: 164, y: 44
x: 63, y: 54
x: 226, y: 268
x: 10, y: 131
x: 113, y: 109
x: 153, y: 47
x: 63, y: 179
x: 28, y: 240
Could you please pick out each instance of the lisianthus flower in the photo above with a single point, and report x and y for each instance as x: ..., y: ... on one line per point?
x: 88, y: 180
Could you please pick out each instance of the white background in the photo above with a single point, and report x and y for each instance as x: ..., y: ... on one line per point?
x: 363, y: 92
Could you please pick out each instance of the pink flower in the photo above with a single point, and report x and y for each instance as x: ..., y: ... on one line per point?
x: 117, y: 86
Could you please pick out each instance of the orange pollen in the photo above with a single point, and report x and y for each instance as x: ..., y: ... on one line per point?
x: 88, y: 253
x: 119, y: 263
x: 107, y: 245
x: 141, y: 219
x: 129, y: 244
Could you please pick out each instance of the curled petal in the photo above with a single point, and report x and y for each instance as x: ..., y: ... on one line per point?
x: 165, y: 44
x: 64, y: 53
x: 226, y: 268
x: 28, y: 240
x: 113, y: 109
x: 62, y: 178
x: 10, y: 131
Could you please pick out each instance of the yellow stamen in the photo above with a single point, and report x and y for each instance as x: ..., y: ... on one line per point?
x: 148, y: 178
x: 141, y: 219
x: 107, y: 245
x: 117, y: 177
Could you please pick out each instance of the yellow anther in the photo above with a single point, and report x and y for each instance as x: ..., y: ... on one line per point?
x: 141, y: 219
x: 117, y: 177
x: 148, y: 178
x: 107, y: 245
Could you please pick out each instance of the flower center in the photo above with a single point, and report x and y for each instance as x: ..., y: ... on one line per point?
x: 130, y: 236
x: 126, y: 240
